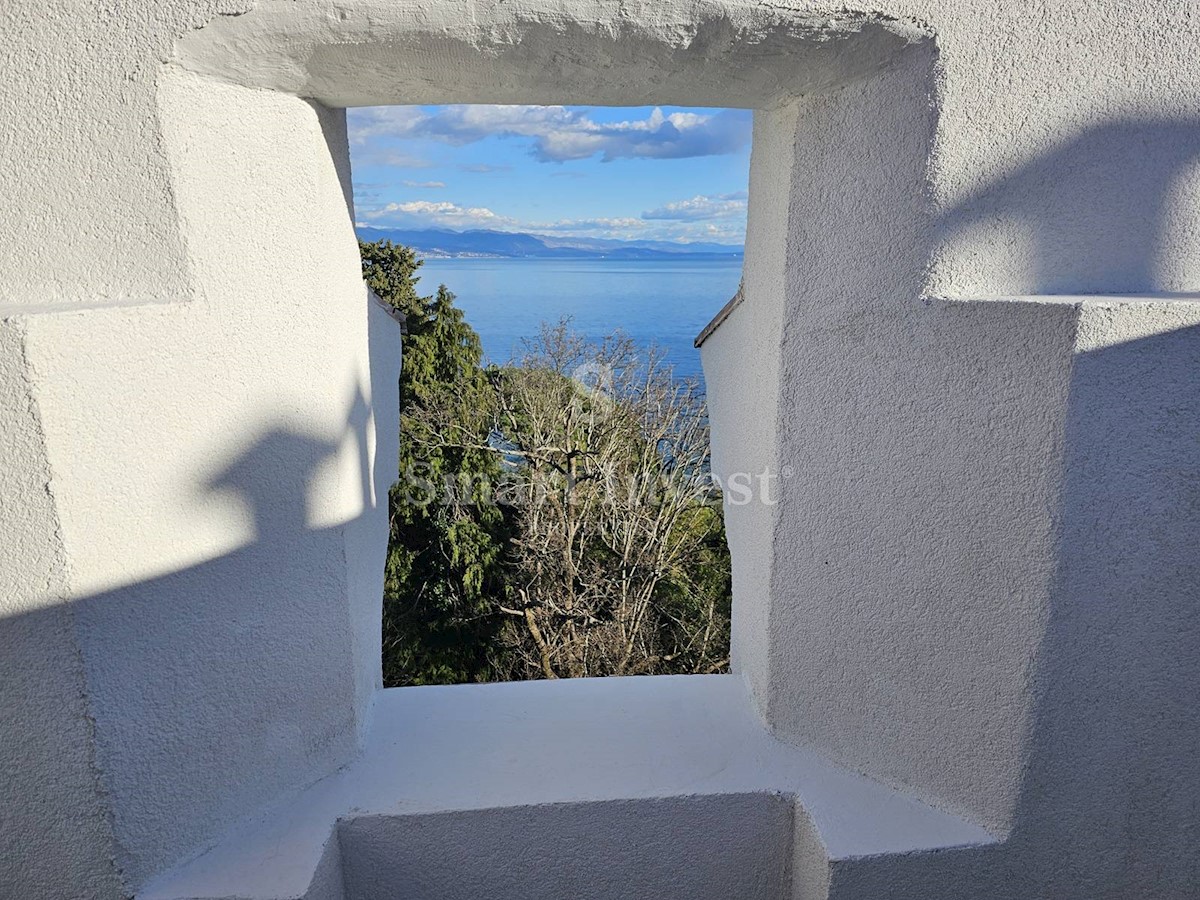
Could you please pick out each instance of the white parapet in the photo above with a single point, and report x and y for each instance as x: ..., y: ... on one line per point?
x: 523, y: 789
x: 973, y: 592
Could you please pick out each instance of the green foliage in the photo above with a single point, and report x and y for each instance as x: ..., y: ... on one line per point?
x: 390, y: 270
x: 445, y: 557
x: 567, y: 575
x: 619, y: 559
x: 695, y: 599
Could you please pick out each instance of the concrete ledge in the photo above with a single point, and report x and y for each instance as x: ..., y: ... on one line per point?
x: 727, y: 845
x: 678, y: 52
x: 508, y: 746
x: 1099, y: 300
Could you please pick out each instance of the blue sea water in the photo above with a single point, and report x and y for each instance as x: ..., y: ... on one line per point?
x: 665, y: 302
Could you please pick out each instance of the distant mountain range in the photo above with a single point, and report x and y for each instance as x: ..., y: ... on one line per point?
x: 515, y: 245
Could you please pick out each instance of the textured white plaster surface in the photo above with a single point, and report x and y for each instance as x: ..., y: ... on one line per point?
x: 218, y: 499
x: 975, y: 588
x: 736, y: 845
x: 57, y: 839
x: 584, y: 743
x: 212, y: 458
x: 751, y: 341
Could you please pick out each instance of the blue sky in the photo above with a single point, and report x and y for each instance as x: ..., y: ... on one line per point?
x: 632, y: 173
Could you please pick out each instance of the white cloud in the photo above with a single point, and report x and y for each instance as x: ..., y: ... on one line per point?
x: 559, y: 134
x: 728, y: 231
x: 587, y: 224
x: 367, y: 122
x: 701, y: 208
x: 719, y: 218
x: 384, y: 157
x: 619, y: 228
x: 425, y: 184
x: 368, y: 191
x: 484, y: 168
x: 421, y: 214
x: 444, y: 214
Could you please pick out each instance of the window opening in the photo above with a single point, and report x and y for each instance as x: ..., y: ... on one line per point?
x: 555, y: 514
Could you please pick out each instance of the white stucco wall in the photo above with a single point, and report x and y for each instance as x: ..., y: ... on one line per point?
x: 192, y: 518
x: 205, y: 451
x: 206, y: 520
x: 53, y: 814
x: 936, y: 609
x: 617, y: 850
x: 754, y: 339
x: 606, y: 751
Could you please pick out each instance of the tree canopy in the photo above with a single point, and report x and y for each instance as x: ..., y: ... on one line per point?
x: 445, y: 555
x: 554, y: 516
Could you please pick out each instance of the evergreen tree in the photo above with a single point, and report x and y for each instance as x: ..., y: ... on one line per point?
x: 390, y: 270
x: 618, y: 562
x: 607, y: 554
x: 445, y: 563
